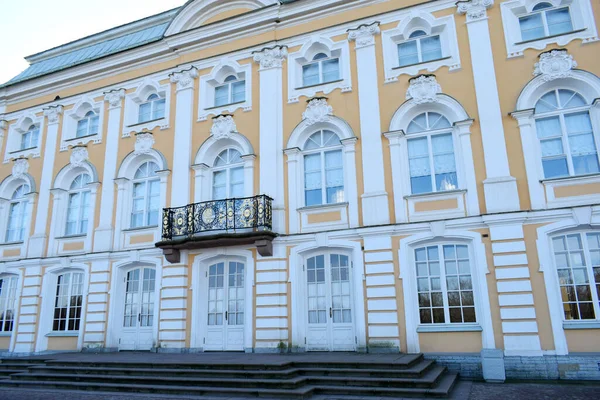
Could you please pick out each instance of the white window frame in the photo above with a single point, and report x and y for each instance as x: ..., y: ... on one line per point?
x: 311, y: 46
x: 152, y: 100
x: 7, y: 188
x: 8, y: 294
x: 133, y: 101
x: 146, y: 197
x: 418, y: 40
x: 444, y: 27
x: 21, y: 203
x: 319, y: 62
x: 229, y: 83
x: 582, y: 19
x: 209, y: 82
x: 71, y: 119
x: 15, y: 132
x: 83, y: 209
x: 227, y: 168
x: 70, y: 289
x: 544, y: 18
x: 542, y: 190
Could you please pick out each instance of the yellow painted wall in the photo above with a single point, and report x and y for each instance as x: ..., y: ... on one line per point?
x: 62, y: 343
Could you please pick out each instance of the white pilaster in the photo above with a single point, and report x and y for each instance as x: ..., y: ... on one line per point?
x: 374, y: 198
x: 499, y: 186
x: 201, y: 192
x: 271, y: 130
x: 3, y: 129
x: 293, y: 157
x: 351, y: 188
x: 37, y: 243
x: 103, y: 236
x: 400, y: 186
x: 180, y: 192
x: 464, y: 136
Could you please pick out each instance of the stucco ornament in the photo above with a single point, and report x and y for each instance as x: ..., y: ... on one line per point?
x: 20, y: 168
x: 114, y: 97
x: 271, y: 57
x: 79, y: 155
x: 364, y: 35
x: 143, y: 143
x: 184, y: 79
x: 423, y: 89
x: 554, y: 64
x: 475, y: 9
x: 223, y: 127
x: 53, y: 113
x: 317, y: 111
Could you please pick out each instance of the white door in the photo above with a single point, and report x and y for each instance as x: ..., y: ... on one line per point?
x: 329, y: 296
x: 226, y: 303
x: 138, y: 313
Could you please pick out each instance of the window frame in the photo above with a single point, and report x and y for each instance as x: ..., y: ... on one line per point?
x: 34, y: 132
x: 230, y: 84
x: 147, y: 196
x: 77, y: 319
x: 83, y: 208
x: 322, y: 151
x: 89, y: 119
x: 22, y: 202
x: 319, y: 63
x: 418, y: 40
x: 544, y: 17
x: 227, y: 168
x: 153, y: 108
x: 6, y: 299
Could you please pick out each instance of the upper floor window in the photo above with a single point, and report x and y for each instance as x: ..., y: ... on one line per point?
x: 432, y: 163
x: 78, y: 209
x: 545, y: 20
x: 17, y: 215
x: 444, y: 284
x: 419, y: 48
x: 69, y: 297
x: 153, y: 108
x: 564, y: 128
x: 322, y: 69
x: 323, y: 169
x: 232, y: 91
x: 30, y: 138
x: 8, y: 297
x: 88, y: 125
x: 577, y: 259
x: 228, y: 175
x: 146, y: 196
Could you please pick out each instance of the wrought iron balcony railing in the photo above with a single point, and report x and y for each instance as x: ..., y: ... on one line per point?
x: 227, y: 216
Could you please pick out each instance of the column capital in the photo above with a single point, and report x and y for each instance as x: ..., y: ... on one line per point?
x: 271, y: 57
x: 3, y: 124
x: 53, y: 114
x: 475, y: 9
x: 184, y: 79
x: 364, y: 34
x: 114, y: 97
x: 523, y: 117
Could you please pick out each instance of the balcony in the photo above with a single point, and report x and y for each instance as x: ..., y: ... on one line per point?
x: 218, y: 223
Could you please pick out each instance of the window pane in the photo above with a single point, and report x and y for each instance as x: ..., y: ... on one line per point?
x: 310, y: 74
x: 238, y: 91
x: 548, y: 127
x: 547, y: 103
x: 159, y: 109
x: 531, y: 27
x: 145, y: 112
x: 407, y: 53
x: 331, y: 70
x: 82, y: 127
x: 559, y: 21
x: 431, y: 48
x: 221, y: 95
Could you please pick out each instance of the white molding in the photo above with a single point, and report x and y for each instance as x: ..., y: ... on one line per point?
x: 224, y: 68
x: 582, y: 18
x: 13, y: 141
x: 144, y: 89
x: 71, y: 117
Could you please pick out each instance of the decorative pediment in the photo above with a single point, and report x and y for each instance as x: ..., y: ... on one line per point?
x: 223, y: 127
x: 79, y: 155
x: 423, y: 89
x: 20, y: 168
x: 554, y: 64
x: 317, y: 111
x: 143, y: 143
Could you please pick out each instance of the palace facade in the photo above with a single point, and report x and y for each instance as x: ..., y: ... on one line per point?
x: 357, y: 175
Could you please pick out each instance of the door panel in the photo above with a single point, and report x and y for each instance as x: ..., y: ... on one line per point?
x: 138, y: 313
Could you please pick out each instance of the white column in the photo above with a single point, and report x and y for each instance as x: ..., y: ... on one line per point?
x: 180, y: 189
x: 350, y: 172
x: 3, y: 129
x: 532, y: 158
x: 103, y: 237
x: 374, y: 199
x: 500, y: 188
x: 37, y: 243
x: 293, y: 156
x: 271, y: 130
x: 463, y: 130
x: 397, y: 156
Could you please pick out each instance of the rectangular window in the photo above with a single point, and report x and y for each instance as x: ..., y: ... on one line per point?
x: 581, y: 143
x: 16, y: 222
x: 532, y: 27
x: 432, y: 153
x: 431, y: 48
x: 221, y: 95
x: 145, y: 113
x: 238, y: 91
x: 82, y: 127
x: 331, y: 70
x: 559, y: 21
x: 312, y: 179
x: 158, y: 110
x: 310, y: 74
x: 69, y: 297
x: 444, y: 284
x: 408, y: 53
x: 8, y: 296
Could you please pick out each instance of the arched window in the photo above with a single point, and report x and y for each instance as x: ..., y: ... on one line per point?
x: 8, y: 297
x: 228, y: 175
x: 577, y: 261
x: 146, y: 196
x: 17, y: 214
x: 30, y: 138
x: 444, y: 284
x: 69, y: 297
x: 88, y: 125
x: 153, y: 108
x: 78, y: 209
x: 563, y: 125
x: 232, y: 91
x: 431, y: 157
x: 323, y: 169
x: 419, y: 48
x: 545, y: 20
x: 322, y: 69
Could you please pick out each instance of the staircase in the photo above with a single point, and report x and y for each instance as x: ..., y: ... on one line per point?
x: 287, y: 377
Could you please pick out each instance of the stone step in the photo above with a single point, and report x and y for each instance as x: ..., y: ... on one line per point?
x: 13, y: 366
x: 427, y: 380
x: 415, y: 371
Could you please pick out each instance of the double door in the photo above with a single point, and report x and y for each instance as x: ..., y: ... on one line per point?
x: 138, y: 310
x: 225, y: 297
x: 330, y: 317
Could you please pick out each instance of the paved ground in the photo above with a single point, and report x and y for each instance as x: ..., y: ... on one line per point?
x: 464, y: 391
